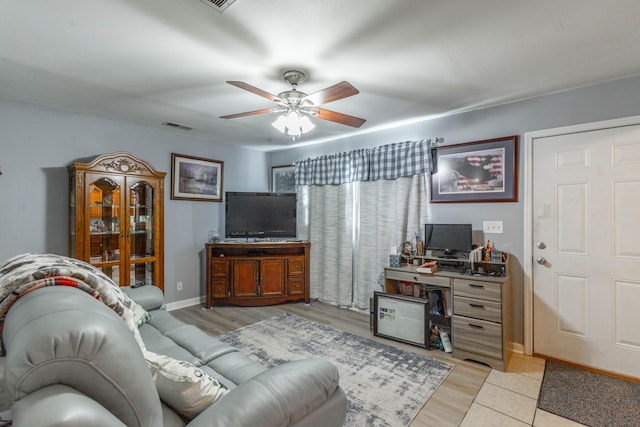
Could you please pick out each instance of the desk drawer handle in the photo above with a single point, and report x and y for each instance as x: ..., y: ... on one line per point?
x: 473, y: 285
x: 477, y: 305
x: 476, y: 326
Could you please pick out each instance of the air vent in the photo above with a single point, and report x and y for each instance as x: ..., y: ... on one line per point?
x: 177, y: 126
x: 219, y: 5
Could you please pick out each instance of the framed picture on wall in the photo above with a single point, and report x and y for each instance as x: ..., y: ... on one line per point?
x: 196, y: 178
x: 283, y: 179
x: 476, y: 172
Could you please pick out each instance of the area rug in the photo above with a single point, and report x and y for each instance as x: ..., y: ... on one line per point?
x: 385, y: 386
x: 589, y: 398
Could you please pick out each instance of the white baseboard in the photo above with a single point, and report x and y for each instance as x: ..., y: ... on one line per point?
x: 185, y: 303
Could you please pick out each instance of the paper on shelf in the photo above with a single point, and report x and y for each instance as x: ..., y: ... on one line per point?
x: 475, y: 256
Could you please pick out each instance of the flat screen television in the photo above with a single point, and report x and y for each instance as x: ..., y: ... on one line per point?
x: 260, y: 215
x: 451, y: 239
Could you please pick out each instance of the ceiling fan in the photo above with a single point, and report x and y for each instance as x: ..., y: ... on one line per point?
x: 297, y: 106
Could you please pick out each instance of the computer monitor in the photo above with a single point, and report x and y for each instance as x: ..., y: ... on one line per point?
x: 451, y: 239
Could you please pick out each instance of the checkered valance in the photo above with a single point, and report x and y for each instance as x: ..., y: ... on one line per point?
x: 333, y: 169
x: 390, y: 161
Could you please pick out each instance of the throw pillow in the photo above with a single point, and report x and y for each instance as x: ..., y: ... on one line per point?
x: 140, y: 315
x: 186, y: 388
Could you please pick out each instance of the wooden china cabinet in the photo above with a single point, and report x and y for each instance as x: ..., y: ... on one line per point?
x: 116, y: 220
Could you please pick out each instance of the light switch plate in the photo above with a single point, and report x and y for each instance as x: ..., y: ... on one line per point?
x: 494, y: 227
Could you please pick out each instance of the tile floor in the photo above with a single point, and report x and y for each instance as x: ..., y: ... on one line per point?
x: 509, y: 398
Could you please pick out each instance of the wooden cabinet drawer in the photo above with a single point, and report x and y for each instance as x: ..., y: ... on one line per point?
x: 477, y: 289
x: 477, y: 336
x: 220, y: 268
x: 219, y: 288
x: 296, y: 286
x: 478, y: 309
x: 408, y: 276
x: 295, y: 266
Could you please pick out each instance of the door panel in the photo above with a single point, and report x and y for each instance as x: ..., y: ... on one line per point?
x: 272, y: 277
x: 586, y: 205
x: 573, y: 305
x: 573, y: 218
x: 244, y: 278
x: 626, y: 219
x: 627, y: 315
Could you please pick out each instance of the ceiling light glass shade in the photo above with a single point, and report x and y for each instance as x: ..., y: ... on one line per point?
x: 293, y: 124
x: 280, y: 123
x: 305, y: 124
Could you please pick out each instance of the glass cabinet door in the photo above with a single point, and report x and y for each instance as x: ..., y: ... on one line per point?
x: 142, y: 232
x: 105, y: 208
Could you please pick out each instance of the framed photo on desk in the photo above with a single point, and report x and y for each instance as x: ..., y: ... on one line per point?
x: 401, y: 318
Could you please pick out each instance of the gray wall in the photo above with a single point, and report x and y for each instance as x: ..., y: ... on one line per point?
x: 594, y: 103
x: 37, y: 144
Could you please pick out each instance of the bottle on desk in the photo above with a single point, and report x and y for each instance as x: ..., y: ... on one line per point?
x: 487, y: 251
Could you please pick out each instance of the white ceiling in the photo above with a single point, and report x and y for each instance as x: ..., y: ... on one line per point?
x: 152, y: 61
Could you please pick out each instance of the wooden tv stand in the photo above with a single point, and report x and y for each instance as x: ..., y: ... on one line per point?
x: 257, y: 274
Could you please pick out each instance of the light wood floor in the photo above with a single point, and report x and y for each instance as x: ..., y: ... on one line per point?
x: 446, y: 407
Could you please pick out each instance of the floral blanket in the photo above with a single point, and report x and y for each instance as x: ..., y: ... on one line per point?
x: 27, y: 272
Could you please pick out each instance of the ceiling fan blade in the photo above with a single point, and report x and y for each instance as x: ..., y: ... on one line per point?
x: 253, y: 89
x: 251, y: 113
x: 343, y: 119
x: 332, y: 93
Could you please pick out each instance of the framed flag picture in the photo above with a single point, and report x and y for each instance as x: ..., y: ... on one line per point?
x: 475, y: 172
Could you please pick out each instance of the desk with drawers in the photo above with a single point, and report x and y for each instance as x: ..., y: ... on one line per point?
x: 481, y: 327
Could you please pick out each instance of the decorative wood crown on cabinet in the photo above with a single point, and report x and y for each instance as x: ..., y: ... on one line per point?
x: 116, y: 218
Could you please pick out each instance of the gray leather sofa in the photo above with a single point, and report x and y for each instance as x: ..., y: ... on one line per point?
x: 71, y: 361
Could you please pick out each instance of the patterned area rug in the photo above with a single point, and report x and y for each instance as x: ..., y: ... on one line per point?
x: 385, y: 386
x: 589, y: 398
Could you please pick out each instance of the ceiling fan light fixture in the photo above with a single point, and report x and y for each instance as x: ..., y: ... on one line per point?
x: 298, y: 108
x: 293, y: 123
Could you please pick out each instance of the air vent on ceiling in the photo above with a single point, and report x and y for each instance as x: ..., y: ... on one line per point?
x: 177, y: 126
x: 219, y: 5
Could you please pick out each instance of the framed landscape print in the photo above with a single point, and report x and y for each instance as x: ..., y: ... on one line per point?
x: 283, y: 179
x: 473, y: 172
x: 196, y: 178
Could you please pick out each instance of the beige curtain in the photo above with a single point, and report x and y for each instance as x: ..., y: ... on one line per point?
x: 325, y: 218
x: 391, y: 211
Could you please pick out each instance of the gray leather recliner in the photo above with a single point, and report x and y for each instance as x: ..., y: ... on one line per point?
x: 72, y: 361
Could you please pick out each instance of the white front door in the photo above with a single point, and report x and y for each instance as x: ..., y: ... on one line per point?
x: 586, y: 248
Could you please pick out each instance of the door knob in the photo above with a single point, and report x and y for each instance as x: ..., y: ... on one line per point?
x: 541, y: 245
x: 541, y: 260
